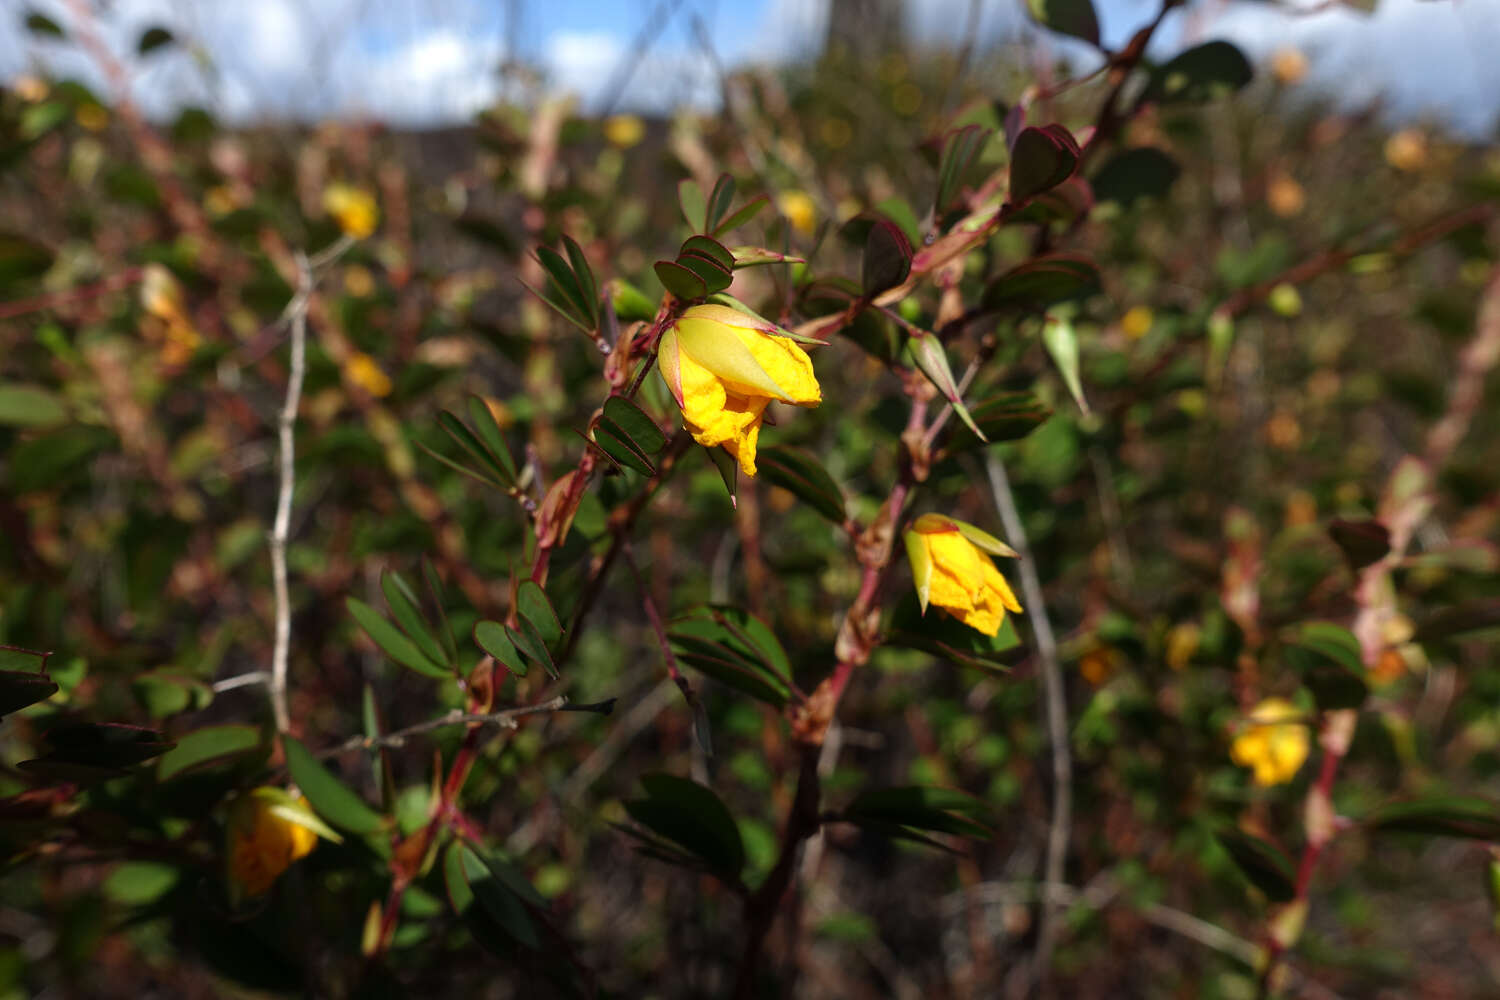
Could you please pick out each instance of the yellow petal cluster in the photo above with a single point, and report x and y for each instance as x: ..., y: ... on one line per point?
x: 723, y: 367
x: 957, y: 575
x: 352, y: 208
x: 263, y: 843
x: 1272, y: 743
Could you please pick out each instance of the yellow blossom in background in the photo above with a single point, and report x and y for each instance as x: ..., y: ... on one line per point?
x: 352, y: 208
x: 799, y: 209
x: 92, y: 116
x: 268, y: 830
x: 1099, y: 664
x: 1272, y: 743
x: 1183, y: 641
x: 1407, y: 150
x: 362, y: 370
x: 219, y: 201
x: 1137, y: 321
x: 624, y: 131
x: 358, y: 281
x: 1288, y: 66
x: 31, y: 89
x: 723, y: 367
x: 951, y: 567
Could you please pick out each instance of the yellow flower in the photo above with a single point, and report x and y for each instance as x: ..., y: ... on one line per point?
x: 950, y: 564
x: 362, y: 370
x: 268, y: 830
x: 1288, y: 66
x: 723, y: 366
x: 1271, y: 743
x: 1407, y: 150
x: 799, y: 210
x: 352, y: 208
x: 1137, y: 322
x: 624, y: 131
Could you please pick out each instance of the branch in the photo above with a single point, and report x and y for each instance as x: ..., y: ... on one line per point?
x: 1057, y: 709
x: 505, y: 719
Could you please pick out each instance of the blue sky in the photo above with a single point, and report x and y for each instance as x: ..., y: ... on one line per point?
x: 433, y: 61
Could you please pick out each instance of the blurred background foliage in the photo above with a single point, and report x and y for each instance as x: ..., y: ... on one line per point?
x: 137, y: 486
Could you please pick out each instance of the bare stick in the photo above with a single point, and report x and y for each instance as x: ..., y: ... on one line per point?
x: 1057, y: 709
x: 504, y: 719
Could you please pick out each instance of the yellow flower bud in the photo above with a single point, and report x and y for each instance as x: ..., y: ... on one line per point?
x: 1137, y: 322
x: 352, y: 208
x: 1272, y: 743
x: 268, y: 831
x: 1407, y: 150
x: 950, y: 564
x: 723, y: 367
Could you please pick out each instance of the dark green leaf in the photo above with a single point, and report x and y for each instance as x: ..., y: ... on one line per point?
x: 406, y: 608
x: 493, y: 438
x: 1454, y: 622
x: 588, y: 285
x: 715, y: 251
x: 960, y: 149
x: 1042, y: 282
x: 490, y: 465
x: 1468, y: 817
x: 918, y: 807
x: 805, y: 478
x: 207, y: 747
x: 435, y: 591
x: 106, y: 744
x: 40, y: 24
x: 692, y: 816
x: 152, y: 39
x: 20, y: 688
x: 1042, y: 158
x: 1262, y: 863
x: 1129, y: 176
x: 566, y: 282
x: 680, y: 281
x: 330, y: 798
x: 887, y: 259
x: 391, y: 642
x: 940, y: 634
x: 1069, y: 17
x: 163, y: 693
x: 1328, y: 657
x: 715, y: 277
x: 718, y: 203
x: 1005, y: 416
x: 497, y: 899
x: 493, y: 639
x: 529, y: 642
x: 1202, y: 73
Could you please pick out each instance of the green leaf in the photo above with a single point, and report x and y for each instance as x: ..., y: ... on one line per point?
x: 694, y: 206
x: 567, y: 285
x: 20, y: 688
x: 942, y: 635
x: 494, y: 640
x: 1005, y: 416
x: 960, y: 149
x: 805, y: 478
x: 692, y: 816
x: 1061, y: 340
x: 927, y: 355
x: 152, y: 39
x: 1329, y: 658
x: 406, y: 608
x: 537, y: 609
x: 1202, y: 73
x: 435, y: 591
x: 499, y: 902
x: 1261, y: 862
x: 1041, y: 159
x: 728, y: 469
x: 680, y: 281
x: 49, y: 460
x: 40, y: 24
x: 1043, y: 281
x: 629, y: 435
x: 491, y: 468
x: 85, y: 751
x: 29, y: 406
x: 1456, y: 622
x: 492, y: 437
x: 755, y: 256
x: 331, y: 798
x: 208, y: 747
x: 715, y: 251
x: 734, y: 647
x: 743, y: 215
x: 588, y: 285
x: 715, y: 276
x: 1129, y: 176
x: 1468, y: 817
x: 529, y: 642
x: 162, y: 693
x: 392, y: 642
x: 920, y: 807
x: 18, y: 658
x: 718, y: 202
x: 1069, y: 17
x: 887, y: 259
x: 140, y: 883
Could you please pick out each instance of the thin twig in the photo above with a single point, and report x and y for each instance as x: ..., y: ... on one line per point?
x: 241, y: 680
x: 505, y: 719
x: 1057, y: 708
